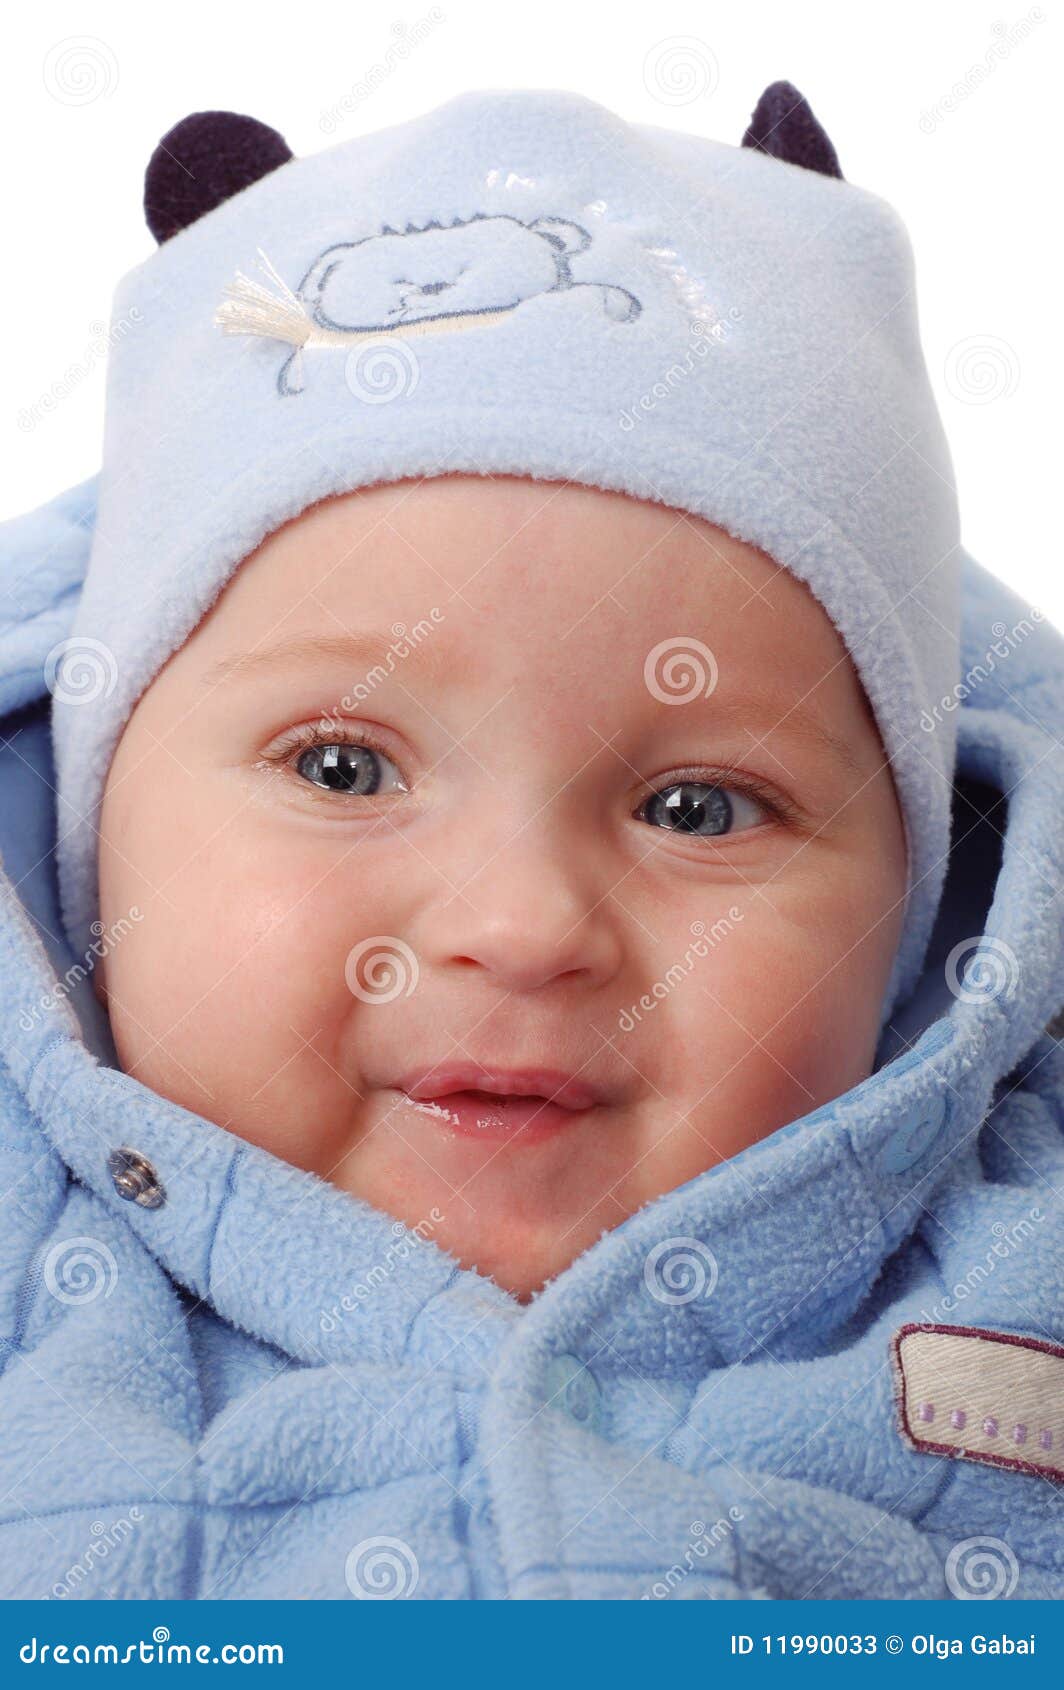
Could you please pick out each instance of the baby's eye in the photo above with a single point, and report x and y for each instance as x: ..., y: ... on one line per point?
x: 348, y: 767
x: 694, y: 806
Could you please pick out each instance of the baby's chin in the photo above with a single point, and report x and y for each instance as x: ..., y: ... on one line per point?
x: 517, y: 1199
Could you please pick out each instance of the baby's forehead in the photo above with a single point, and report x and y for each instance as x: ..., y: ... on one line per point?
x: 466, y: 526
x: 554, y: 585
x: 508, y: 555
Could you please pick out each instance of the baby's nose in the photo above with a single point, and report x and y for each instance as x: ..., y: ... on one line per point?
x: 529, y: 920
x: 523, y: 960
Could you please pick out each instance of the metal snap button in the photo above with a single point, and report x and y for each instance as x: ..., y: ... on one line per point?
x: 134, y: 1178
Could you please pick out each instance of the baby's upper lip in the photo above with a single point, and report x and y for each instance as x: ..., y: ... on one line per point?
x: 569, y: 1090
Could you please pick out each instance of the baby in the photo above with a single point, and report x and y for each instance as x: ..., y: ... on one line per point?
x: 525, y: 825
x: 530, y: 1006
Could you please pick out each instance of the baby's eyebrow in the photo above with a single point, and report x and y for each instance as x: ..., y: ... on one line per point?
x: 368, y: 647
x: 766, y: 717
x: 769, y: 719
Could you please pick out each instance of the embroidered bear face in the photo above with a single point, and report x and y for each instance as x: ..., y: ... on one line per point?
x: 422, y: 279
x: 419, y: 280
x: 484, y: 264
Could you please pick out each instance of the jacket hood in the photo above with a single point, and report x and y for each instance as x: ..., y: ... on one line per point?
x: 993, y: 978
x: 792, y: 1233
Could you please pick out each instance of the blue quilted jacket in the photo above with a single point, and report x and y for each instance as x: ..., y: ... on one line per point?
x: 222, y: 1377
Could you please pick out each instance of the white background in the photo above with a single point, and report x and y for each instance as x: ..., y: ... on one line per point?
x: 89, y: 89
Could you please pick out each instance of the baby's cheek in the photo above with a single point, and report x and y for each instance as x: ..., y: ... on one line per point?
x: 778, y: 1018
x: 272, y: 1018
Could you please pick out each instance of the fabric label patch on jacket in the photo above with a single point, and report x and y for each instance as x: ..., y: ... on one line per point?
x: 982, y: 1396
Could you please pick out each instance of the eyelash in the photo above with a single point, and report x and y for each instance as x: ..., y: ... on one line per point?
x: 733, y: 779
x: 724, y: 774
x: 310, y: 734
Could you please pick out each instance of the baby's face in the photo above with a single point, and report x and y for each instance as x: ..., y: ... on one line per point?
x: 458, y: 801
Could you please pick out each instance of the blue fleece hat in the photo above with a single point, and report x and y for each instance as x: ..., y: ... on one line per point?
x: 522, y: 282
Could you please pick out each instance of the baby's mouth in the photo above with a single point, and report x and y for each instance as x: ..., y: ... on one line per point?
x: 512, y: 1106
x: 525, y: 1110
x: 481, y: 1114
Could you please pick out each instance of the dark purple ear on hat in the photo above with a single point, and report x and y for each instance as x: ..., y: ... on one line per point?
x: 783, y: 126
x: 201, y: 162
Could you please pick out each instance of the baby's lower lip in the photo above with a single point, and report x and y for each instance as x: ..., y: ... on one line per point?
x: 522, y: 1120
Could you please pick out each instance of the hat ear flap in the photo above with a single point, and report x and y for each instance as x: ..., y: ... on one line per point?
x: 204, y: 160
x: 43, y: 558
x: 783, y: 126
